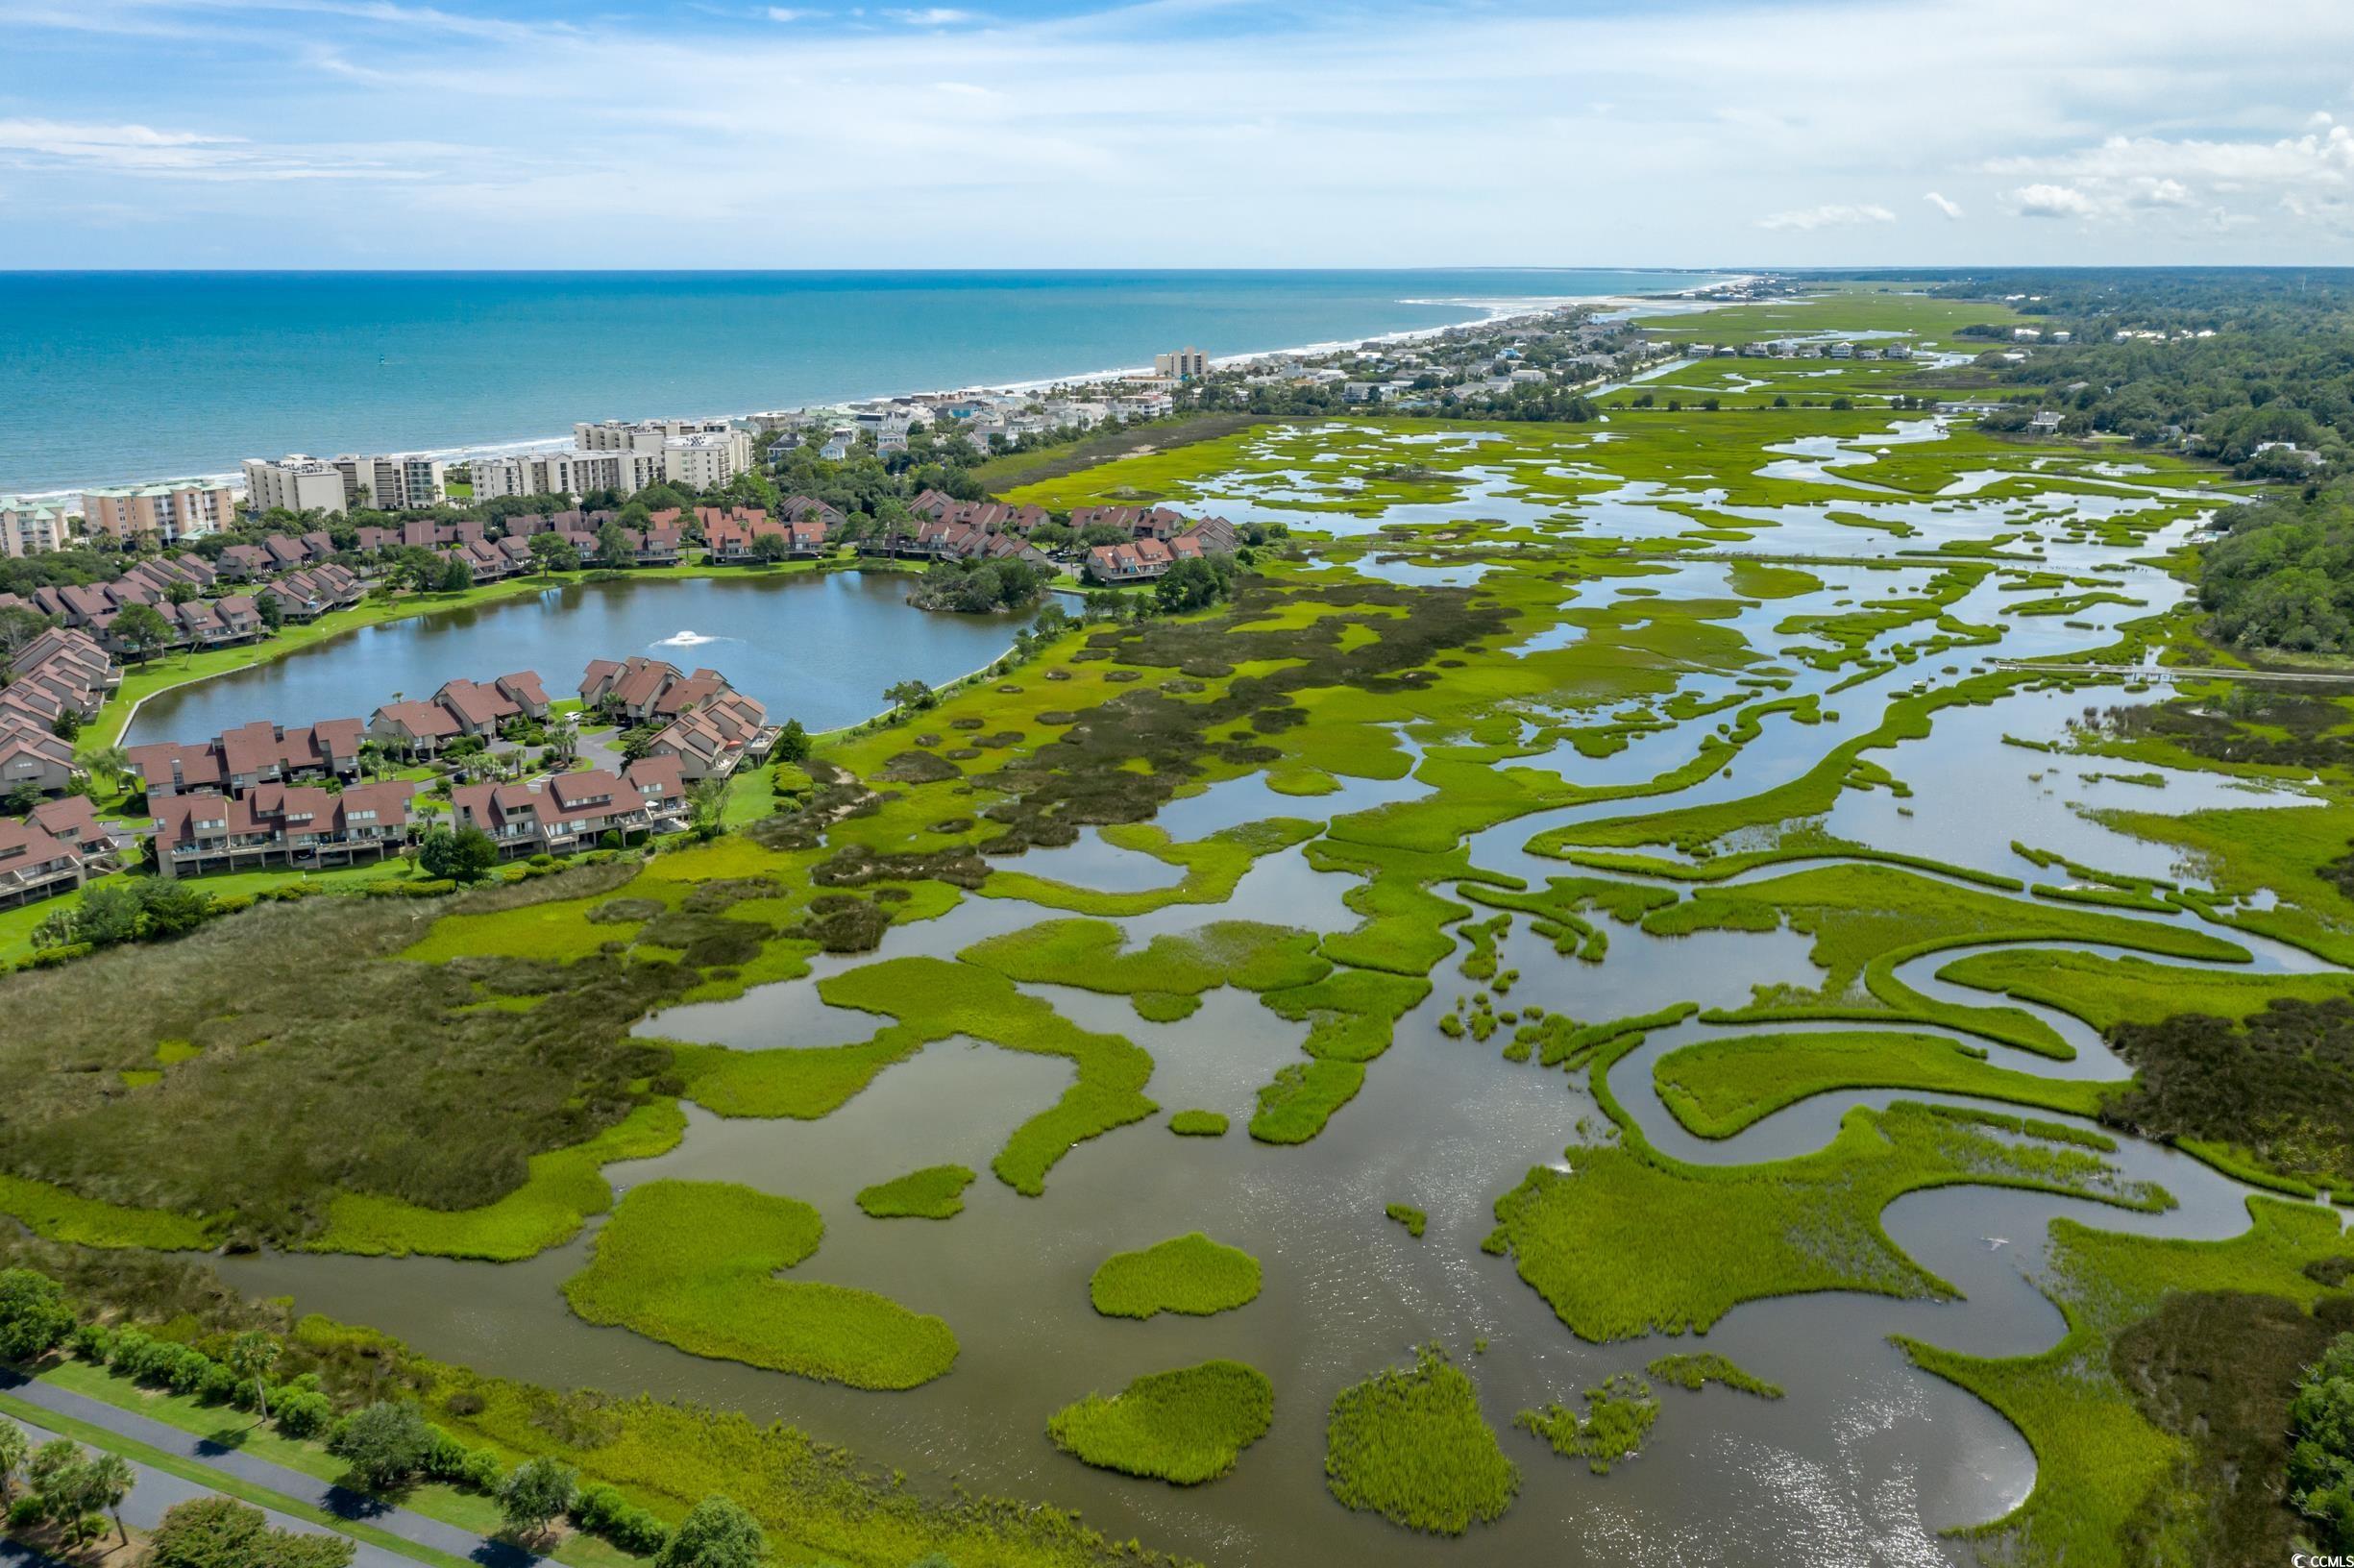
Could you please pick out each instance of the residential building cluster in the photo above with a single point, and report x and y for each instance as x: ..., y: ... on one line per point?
x: 59, y: 673
x: 269, y: 795
x: 708, y: 725
x: 60, y: 844
x: 30, y: 526
x: 947, y: 528
x: 170, y: 511
x: 573, y: 811
x: 177, y: 587
x: 1798, y: 348
x: 621, y: 456
x: 386, y: 483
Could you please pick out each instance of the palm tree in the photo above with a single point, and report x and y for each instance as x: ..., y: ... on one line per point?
x: 252, y: 1355
x: 110, y: 1479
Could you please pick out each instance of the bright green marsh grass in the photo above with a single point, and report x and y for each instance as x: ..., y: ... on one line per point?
x: 1087, y: 953
x: 1746, y: 1232
x: 51, y: 1211
x: 932, y: 1000
x: 1617, y: 1417
x: 934, y: 1192
x: 1198, y: 1124
x: 1719, y: 1087
x: 692, y: 1264
x: 565, y: 1187
x: 1410, y: 1445
x: 1186, y: 1274
x: 1183, y: 1426
x: 1698, y: 1371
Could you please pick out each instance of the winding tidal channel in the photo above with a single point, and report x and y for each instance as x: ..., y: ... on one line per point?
x: 1866, y: 1461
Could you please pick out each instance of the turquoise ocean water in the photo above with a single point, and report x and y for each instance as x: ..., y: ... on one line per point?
x: 111, y: 376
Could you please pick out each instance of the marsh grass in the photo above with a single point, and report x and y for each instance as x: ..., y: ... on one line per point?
x: 1410, y: 1445
x: 1184, y: 1427
x: 293, y: 1031
x: 1698, y: 1370
x: 1198, y: 1124
x: 1781, y: 1228
x: 1186, y: 1274
x: 934, y: 1192
x: 693, y: 1264
x: 1617, y: 1417
x: 1413, y: 1219
x: 1717, y: 1088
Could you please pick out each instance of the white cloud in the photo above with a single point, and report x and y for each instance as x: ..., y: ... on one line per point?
x: 142, y: 150
x: 2042, y: 201
x: 1830, y: 215
x: 2122, y: 178
x: 1297, y: 117
x: 1951, y: 209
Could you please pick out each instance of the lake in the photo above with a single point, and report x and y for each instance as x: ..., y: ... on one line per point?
x: 816, y: 646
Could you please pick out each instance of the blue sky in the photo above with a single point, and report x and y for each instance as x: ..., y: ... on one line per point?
x: 1178, y: 133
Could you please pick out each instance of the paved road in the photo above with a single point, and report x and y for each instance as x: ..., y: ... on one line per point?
x: 334, y: 1500
x: 158, y: 1491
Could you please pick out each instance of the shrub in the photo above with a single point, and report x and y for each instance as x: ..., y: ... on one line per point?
x: 302, y: 1415
x: 385, y: 1443
x: 34, y: 1317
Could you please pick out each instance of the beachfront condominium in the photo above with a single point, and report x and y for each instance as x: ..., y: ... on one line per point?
x: 293, y: 485
x: 167, y: 511
x: 566, y: 472
x: 1186, y: 362
x: 30, y: 526
x: 702, y: 452
x: 385, y: 481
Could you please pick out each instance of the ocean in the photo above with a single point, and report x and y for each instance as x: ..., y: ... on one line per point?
x: 107, y: 377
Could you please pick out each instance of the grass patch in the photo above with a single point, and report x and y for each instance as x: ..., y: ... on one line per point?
x: 1184, y: 1427
x: 1413, y: 1219
x: 1410, y: 1445
x: 934, y: 999
x: 565, y: 1187
x: 1198, y: 1124
x: 1188, y: 1274
x: 1719, y: 1087
x: 934, y: 1192
x: 1617, y: 1417
x: 1750, y: 1232
x: 1697, y: 1371
x: 692, y: 1263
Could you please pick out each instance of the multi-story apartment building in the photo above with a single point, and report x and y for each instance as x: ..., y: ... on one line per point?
x: 385, y: 481
x: 29, y: 526
x: 707, y: 459
x: 566, y: 473
x: 702, y: 452
x: 1187, y: 361
x: 294, y: 483
x: 171, y: 509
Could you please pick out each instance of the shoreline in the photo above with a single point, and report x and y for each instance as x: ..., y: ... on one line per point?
x: 1498, y: 311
